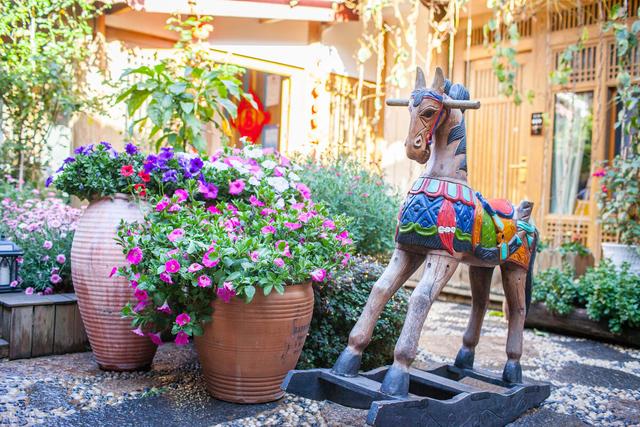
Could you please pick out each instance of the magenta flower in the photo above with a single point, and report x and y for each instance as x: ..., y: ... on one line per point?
x: 298, y: 206
x: 181, y: 194
x: 226, y: 292
x: 55, y: 279
x: 292, y: 225
x: 155, y: 338
x: 267, y: 211
x: 346, y: 259
x: 343, y: 237
x: 172, y: 266
x: 141, y: 295
x: 236, y: 187
x: 255, y: 256
x: 182, y: 319
x: 204, y: 281
x: 209, y: 191
x: 48, y: 291
x: 283, y: 246
x: 232, y: 208
x: 162, y: 204
x: 305, y: 192
x: 306, y: 216
x: 318, y: 275
x: 61, y: 259
x: 194, y: 267
x: 279, y: 262
x: 255, y: 201
x: 166, y: 278
x: 174, y: 208
x: 182, y: 338
x: 134, y: 256
x: 214, y: 210
x: 268, y: 229
x: 176, y: 234
x: 114, y: 270
x: 328, y: 224
x: 47, y: 245
x: 207, y: 261
x: 138, y: 331
x: 164, y: 308
x: 29, y: 291
x: 13, y: 284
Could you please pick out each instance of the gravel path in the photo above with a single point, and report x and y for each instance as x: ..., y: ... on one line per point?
x: 593, y: 384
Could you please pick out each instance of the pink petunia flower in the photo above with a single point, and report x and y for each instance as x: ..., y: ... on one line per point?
x: 600, y: 172
x: 306, y: 216
x: 13, y: 284
x: 226, y: 292
x: 232, y: 208
x: 345, y: 259
x: 194, y: 267
x: 292, y: 225
x: 155, y: 338
x: 304, y: 191
x: 134, y: 256
x: 182, y: 319
x: 176, y: 234
x: 204, y: 281
x: 318, y: 275
x: 141, y: 295
x: 343, y: 237
x: 174, y: 208
x: 209, y: 191
x: 328, y: 224
x: 164, y: 308
x: 47, y: 245
x: 267, y: 211
x: 236, y: 187
x: 255, y: 201
x: 207, y: 261
x: 283, y: 246
x: 298, y: 206
x: 214, y: 210
x: 279, y: 262
x: 181, y: 195
x: 182, y: 338
x: 48, y: 291
x: 255, y: 256
x: 55, y: 279
x: 114, y: 270
x: 268, y: 229
x: 29, y: 291
x: 166, y: 278
x: 138, y: 331
x: 162, y: 204
x: 172, y: 266
x: 61, y: 259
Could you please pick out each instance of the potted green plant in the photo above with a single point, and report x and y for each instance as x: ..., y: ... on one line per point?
x: 619, y: 203
x: 227, y: 255
x: 106, y: 179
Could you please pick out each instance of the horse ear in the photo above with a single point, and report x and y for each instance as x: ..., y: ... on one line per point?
x: 421, y: 83
x: 438, y: 81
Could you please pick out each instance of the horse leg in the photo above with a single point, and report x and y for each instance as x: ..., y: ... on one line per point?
x: 513, y: 282
x: 402, y: 265
x: 438, y: 270
x: 480, y: 281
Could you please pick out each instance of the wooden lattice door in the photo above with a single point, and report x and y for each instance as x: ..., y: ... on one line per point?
x: 497, y: 134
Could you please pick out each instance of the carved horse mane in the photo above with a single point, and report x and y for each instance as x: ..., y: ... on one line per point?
x: 442, y: 223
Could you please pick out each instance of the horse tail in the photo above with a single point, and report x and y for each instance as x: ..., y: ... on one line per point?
x: 529, y: 280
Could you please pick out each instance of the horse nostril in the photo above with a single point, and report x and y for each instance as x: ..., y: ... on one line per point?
x: 417, y: 142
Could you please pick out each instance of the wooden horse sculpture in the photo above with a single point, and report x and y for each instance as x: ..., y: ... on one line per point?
x: 443, y: 223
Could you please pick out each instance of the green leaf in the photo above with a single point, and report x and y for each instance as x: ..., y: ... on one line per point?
x: 187, y: 107
x: 249, y: 291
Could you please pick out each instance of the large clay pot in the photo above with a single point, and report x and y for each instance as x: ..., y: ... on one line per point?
x: 619, y: 254
x: 100, y: 298
x: 247, y: 349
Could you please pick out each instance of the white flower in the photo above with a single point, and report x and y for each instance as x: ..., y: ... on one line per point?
x: 221, y: 166
x: 293, y: 176
x: 254, y: 153
x: 280, y: 203
x: 278, y: 183
x: 254, y: 181
x: 269, y: 164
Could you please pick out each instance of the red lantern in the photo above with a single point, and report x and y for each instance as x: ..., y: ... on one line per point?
x: 250, y: 120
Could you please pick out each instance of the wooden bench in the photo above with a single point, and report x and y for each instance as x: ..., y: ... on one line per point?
x: 39, y: 325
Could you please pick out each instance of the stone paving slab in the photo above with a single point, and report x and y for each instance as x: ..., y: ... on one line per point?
x: 593, y: 384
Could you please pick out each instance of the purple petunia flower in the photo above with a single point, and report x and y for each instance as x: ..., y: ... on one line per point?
x: 131, y: 149
x: 195, y: 165
x: 170, y: 175
x: 48, y: 182
x: 208, y: 190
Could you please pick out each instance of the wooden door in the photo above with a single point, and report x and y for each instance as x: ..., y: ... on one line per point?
x: 498, y: 134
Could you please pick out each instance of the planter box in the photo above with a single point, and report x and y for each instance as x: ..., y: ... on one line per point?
x: 39, y: 325
x: 577, y: 323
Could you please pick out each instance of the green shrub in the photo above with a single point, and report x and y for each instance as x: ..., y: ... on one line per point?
x: 338, y: 305
x: 607, y: 293
x: 347, y: 187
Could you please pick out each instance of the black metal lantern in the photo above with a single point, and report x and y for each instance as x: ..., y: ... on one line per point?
x: 9, y: 254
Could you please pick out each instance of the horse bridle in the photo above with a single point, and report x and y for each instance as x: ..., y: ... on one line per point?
x: 417, y: 96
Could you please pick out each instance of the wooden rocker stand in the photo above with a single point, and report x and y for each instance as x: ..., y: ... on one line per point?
x: 444, y: 396
x: 443, y: 222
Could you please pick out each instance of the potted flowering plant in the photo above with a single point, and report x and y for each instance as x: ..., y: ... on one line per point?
x: 107, y: 179
x: 227, y: 256
x: 619, y: 203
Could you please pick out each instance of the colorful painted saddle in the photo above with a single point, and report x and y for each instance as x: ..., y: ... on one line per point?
x: 439, y: 214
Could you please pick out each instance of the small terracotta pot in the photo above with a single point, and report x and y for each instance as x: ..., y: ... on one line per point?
x: 247, y: 349
x: 100, y: 298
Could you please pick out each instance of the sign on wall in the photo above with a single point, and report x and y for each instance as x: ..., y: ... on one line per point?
x: 536, y: 124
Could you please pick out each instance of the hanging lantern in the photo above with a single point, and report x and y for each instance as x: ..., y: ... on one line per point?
x: 9, y: 254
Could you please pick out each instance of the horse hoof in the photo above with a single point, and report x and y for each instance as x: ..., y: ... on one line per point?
x: 395, y: 383
x: 464, y: 359
x: 348, y: 364
x: 512, y: 372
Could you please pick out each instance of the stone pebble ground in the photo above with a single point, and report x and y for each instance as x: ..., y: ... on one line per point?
x: 593, y: 384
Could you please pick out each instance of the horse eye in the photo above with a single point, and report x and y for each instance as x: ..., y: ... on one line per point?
x: 428, y: 113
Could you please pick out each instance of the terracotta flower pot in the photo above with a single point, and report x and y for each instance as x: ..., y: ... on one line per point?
x: 247, y: 349
x: 100, y: 298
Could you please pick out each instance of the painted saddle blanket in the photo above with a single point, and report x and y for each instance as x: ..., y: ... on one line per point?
x: 438, y: 214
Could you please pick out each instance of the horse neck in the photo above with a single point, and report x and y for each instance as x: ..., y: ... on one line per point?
x: 449, y: 154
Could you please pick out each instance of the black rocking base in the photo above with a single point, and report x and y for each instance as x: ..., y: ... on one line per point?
x: 444, y: 396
